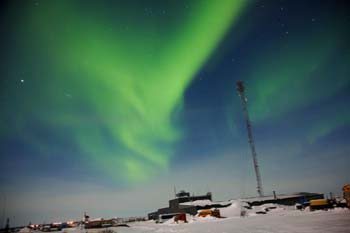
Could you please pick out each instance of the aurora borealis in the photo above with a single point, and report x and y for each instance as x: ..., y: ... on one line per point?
x: 129, y: 74
x: 123, y: 94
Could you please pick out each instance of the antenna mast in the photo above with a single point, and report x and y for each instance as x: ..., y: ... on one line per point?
x: 241, y: 93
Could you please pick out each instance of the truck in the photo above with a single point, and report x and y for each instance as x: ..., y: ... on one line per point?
x: 320, y: 204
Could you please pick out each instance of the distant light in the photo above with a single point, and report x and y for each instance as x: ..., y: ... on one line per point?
x: 22, y: 80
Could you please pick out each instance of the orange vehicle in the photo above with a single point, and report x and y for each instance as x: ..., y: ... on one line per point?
x: 209, y: 212
x: 346, y: 194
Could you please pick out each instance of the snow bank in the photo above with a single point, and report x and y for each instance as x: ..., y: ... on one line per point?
x: 198, y: 203
x: 234, y: 210
x: 291, y: 221
x: 205, y: 219
x: 25, y: 230
x: 205, y: 203
x: 79, y: 229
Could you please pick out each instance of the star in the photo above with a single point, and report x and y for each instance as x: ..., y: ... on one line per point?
x: 68, y: 95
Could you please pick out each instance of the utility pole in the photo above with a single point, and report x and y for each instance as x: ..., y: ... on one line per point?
x: 3, y: 211
x: 241, y: 93
x: 7, y: 227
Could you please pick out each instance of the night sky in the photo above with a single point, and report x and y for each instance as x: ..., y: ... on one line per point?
x: 107, y: 105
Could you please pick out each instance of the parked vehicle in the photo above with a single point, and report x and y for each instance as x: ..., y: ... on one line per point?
x: 320, y: 204
x: 209, y: 212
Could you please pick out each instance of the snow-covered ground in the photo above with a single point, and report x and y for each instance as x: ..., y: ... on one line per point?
x: 276, y: 221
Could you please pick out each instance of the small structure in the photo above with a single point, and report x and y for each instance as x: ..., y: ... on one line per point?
x: 180, y: 217
x: 177, y: 205
x: 346, y: 194
x: 284, y: 199
x: 99, y: 223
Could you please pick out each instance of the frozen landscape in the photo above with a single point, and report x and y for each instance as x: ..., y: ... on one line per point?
x: 279, y: 219
x: 278, y: 222
x: 273, y: 218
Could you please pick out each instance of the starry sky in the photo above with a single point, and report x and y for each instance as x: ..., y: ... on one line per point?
x: 107, y: 105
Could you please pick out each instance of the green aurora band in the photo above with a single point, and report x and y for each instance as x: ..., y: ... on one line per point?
x: 294, y: 73
x: 113, y: 82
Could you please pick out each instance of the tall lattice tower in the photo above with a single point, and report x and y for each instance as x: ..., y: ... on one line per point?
x: 241, y: 93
